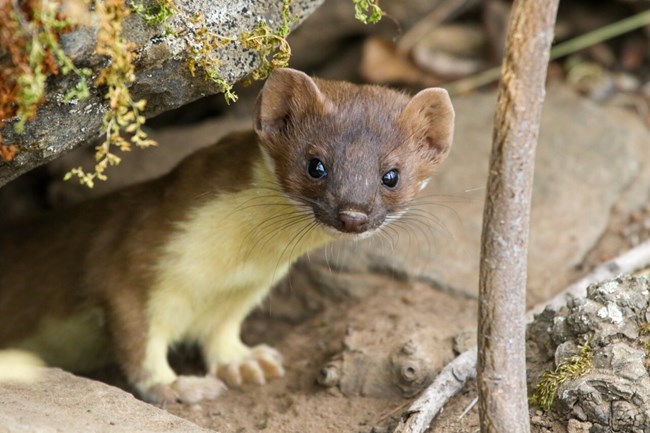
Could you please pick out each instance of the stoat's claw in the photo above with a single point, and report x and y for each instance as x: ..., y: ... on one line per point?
x: 261, y: 364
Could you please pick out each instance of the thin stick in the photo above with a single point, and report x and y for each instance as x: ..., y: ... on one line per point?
x: 469, y: 407
x: 562, y: 49
x: 426, y: 407
x: 602, y: 34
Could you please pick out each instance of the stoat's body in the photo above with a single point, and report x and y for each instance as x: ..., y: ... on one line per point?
x: 186, y: 257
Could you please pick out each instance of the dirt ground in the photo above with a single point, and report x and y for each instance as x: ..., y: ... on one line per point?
x: 373, y: 328
x: 394, y: 311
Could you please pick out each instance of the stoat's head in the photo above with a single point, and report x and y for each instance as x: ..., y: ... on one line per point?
x: 355, y: 155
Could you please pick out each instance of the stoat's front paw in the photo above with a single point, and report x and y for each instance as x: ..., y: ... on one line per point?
x: 186, y: 389
x: 261, y: 363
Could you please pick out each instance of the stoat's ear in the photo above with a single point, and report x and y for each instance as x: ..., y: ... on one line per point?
x: 429, y: 116
x: 286, y: 97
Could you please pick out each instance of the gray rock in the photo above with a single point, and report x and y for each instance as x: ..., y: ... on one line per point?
x: 61, y: 402
x: 162, y: 77
x: 584, y: 162
x: 614, y: 395
x: 575, y: 426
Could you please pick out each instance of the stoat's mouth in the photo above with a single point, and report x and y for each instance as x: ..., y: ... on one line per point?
x: 346, y: 235
x: 341, y: 233
x: 350, y: 223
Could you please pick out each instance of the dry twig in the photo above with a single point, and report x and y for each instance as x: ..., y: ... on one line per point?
x: 501, y: 368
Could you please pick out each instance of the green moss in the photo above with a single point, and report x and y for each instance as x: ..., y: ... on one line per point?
x: 154, y: 13
x: 31, y: 84
x: 40, y: 27
x: 367, y: 11
x: 573, y: 367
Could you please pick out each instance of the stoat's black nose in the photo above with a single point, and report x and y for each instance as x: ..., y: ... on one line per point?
x: 353, y: 221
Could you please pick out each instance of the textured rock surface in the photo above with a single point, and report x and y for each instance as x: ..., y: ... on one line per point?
x: 162, y: 77
x: 615, y: 394
x: 61, y: 402
x: 585, y: 159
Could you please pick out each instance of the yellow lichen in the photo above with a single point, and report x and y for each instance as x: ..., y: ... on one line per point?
x: 201, y: 46
x: 271, y: 46
x: 644, y: 331
x: 124, y: 114
x: 644, y: 328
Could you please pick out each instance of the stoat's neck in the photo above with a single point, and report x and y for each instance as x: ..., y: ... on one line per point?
x: 279, y: 222
x: 244, y: 238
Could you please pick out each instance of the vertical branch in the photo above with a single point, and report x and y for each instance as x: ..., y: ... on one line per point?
x: 501, y: 378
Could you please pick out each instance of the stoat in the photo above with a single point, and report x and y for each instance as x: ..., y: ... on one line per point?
x: 186, y: 257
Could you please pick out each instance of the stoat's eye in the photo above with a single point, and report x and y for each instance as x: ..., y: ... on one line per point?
x: 316, y: 169
x: 390, y: 178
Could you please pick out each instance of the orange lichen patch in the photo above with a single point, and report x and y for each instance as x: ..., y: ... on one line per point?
x: 7, y: 153
x: 14, y: 45
x: 29, y: 35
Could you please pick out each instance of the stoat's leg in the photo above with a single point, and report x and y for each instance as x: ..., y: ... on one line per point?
x: 230, y: 359
x: 141, y: 351
x: 156, y: 382
x: 155, y: 377
x: 193, y: 389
